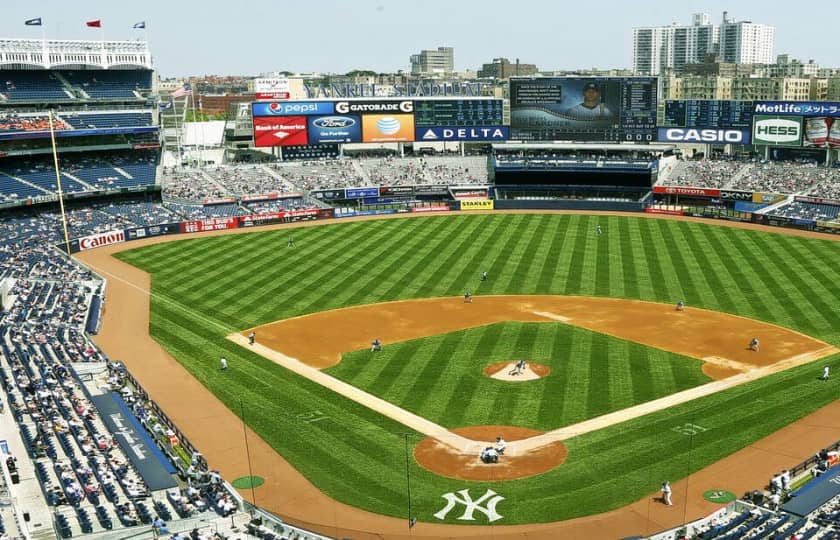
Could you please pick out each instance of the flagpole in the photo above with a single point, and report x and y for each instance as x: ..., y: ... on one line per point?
x: 58, y: 183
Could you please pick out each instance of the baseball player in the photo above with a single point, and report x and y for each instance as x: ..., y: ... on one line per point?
x: 468, y: 297
x: 598, y: 230
x: 754, y: 344
x: 223, y: 363
x: 291, y: 242
x: 518, y: 368
x: 825, y: 373
x: 680, y: 305
x: 666, y: 493
x: 500, y: 445
x: 484, y: 276
x: 375, y: 345
x: 252, y: 337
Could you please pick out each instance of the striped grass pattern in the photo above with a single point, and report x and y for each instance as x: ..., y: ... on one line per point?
x: 207, y: 287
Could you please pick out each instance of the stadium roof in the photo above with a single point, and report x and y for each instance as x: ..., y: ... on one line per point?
x: 585, y: 146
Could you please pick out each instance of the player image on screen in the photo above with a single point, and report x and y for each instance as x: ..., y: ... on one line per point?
x: 592, y: 107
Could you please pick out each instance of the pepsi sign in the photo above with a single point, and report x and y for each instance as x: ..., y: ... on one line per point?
x: 704, y: 136
x: 292, y: 108
x: 438, y: 134
x: 335, y: 129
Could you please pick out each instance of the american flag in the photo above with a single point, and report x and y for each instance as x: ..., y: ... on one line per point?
x: 185, y: 90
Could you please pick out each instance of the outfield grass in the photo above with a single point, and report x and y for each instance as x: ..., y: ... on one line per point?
x: 207, y: 287
x: 440, y: 378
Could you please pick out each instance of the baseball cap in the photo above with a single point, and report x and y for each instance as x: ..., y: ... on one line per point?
x: 590, y: 86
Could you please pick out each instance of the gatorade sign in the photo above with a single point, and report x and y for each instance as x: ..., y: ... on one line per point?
x: 777, y: 131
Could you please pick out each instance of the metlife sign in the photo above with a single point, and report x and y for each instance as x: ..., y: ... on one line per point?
x: 441, y: 134
x: 777, y: 131
x: 704, y: 136
x: 798, y: 108
x: 292, y: 108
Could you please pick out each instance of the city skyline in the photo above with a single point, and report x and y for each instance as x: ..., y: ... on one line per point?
x: 381, y: 35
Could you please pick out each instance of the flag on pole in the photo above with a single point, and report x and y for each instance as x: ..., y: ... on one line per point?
x: 185, y: 90
x: 141, y: 24
x: 94, y: 24
x: 33, y: 22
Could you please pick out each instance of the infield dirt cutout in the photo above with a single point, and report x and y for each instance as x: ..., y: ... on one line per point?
x: 506, y: 371
x: 310, y: 343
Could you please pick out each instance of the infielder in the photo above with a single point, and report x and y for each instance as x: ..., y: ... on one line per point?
x: 754, y: 344
x: 251, y: 338
x: 375, y: 345
x: 468, y: 297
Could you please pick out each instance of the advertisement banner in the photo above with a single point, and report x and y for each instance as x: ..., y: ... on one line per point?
x: 767, y: 198
x: 272, y: 88
x: 280, y: 131
x: 272, y: 196
x: 686, y: 191
x: 361, y: 193
x: 777, y: 131
x: 727, y: 195
x: 255, y: 220
x: 381, y: 106
x: 378, y: 128
x: 816, y: 130
x: 704, y: 136
x: 152, y: 230
x: 209, y: 224
x: 817, y: 200
x: 798, y: 108
x: 423, y: 209
x: 101, y: 239
x: 477, y: 204
x: 469, y: 193
x: 329, y: 194
x: 431, y: 189
x: 292, y: 108
x: 437, y: 134
x: 744, y: 206
x: 834, y: 225
x: 334, y: 129
x: 396, y: 190
x: 652, y: 210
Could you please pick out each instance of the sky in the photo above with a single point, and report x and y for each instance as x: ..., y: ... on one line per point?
x: 249, y: 37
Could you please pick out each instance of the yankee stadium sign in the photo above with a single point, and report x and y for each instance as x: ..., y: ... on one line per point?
x: 410, y: 89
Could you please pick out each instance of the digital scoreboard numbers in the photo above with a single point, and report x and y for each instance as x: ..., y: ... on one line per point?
x: 709, y: 113
x: 458, y: 112
x: 638, y: 111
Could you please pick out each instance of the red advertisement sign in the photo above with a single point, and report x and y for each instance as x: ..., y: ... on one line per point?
x: 280, y: 131
x: 223, y: 200
x: 686, y: 191
x: 431, y: 209
x: 272, y: 196
x: 210, y: 224
x: 470, y: 193
x: 101, y: 239
x: 272, y: 95
x: 651, y: 210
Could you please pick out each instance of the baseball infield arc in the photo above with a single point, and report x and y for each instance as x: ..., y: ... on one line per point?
x: 218, y: 432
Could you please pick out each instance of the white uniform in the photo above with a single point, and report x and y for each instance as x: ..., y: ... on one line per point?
x: 582, y: 112
x: 666, y: 494
x: 501, y: 445
x: 826, y: 370
x: 223, y: 362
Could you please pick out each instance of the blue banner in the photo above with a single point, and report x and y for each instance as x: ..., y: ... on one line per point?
x: 334, y: 129
x: 704, y: 135
x: 487, y: 133
x: 19, y: 135
x: 798, y: 108
x: 292, y: 108
x: 742, y: 206
x: 815, y: 493
x: 138, y: 446
x: 361, y: 193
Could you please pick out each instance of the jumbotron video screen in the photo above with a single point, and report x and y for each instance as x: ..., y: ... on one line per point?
x: 608, y: 109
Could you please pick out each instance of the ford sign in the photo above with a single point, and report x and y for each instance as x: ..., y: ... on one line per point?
x: 334, y: 122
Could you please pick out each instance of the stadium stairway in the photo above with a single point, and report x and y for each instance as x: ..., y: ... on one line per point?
x: 79, y: 180
x: 743, y: 171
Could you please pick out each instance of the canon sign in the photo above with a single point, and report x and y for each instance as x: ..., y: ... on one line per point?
x: 102, y: 239
x: 705, y: 136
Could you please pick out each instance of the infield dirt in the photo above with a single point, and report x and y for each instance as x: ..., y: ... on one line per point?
x: 218, y: 433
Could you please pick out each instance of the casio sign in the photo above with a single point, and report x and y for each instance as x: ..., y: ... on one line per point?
x: 334, y: 122
x: 732, y: 136
x: 777, y: 130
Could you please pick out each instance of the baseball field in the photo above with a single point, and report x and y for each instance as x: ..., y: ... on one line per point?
x: 205, y: 289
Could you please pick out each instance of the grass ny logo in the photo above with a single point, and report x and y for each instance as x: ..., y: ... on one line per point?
x: 471, y: 506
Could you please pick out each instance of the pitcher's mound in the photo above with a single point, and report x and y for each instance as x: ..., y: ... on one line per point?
x: 466, y: 465
x: 506, y: 371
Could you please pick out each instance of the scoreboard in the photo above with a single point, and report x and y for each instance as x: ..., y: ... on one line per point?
x: 709, y: 113
x: 458, y: 112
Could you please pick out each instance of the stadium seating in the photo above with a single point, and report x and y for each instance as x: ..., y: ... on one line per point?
x: 107, y: 120
x: 32, y: 85
x: 802, y: 210
x: 110, y: 84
